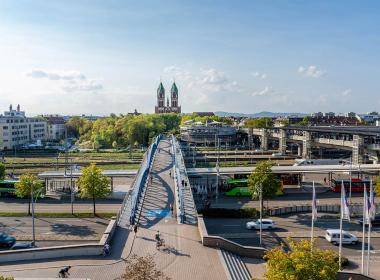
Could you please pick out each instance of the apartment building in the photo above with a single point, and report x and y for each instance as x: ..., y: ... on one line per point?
x: 55, y: 127
x: 17, y: 130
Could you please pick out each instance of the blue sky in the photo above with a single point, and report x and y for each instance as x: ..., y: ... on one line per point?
x: 98, y: 57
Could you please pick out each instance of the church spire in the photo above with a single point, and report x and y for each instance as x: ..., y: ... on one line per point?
x: 161, y: 91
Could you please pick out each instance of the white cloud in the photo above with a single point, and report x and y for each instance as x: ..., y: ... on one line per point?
x: 69, y: 80
x: 346, y: 92
x: 267, y: 91
x: 88, y: 85
x: 258, y: 75
x: 311, y: 71
x: 51, y: 75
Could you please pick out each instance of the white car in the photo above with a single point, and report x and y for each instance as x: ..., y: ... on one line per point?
x: 333, y: 236
x: 266, y: 224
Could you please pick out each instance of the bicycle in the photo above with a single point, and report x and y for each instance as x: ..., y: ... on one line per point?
x: 160, y: 243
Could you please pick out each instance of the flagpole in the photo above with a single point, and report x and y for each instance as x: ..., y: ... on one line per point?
x: 364, y: 222
x: 312, y: 217
x: 341, y: 226
x: 369, y: 226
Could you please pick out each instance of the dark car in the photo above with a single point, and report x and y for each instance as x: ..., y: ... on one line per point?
x: 22, y: 245
x: 375, y: 222
x: 6, y: 240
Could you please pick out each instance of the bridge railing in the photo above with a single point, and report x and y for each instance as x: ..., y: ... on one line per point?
x: 185, y: 207
x: 131, y: 201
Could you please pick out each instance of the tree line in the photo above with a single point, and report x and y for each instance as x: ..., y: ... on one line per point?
x: 129, y: 130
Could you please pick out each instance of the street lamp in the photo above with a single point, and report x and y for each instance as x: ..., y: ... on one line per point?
x: 261, y: 213
x: 33, y: 226
x: 217, y: 172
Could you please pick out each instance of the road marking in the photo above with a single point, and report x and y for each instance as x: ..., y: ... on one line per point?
x: 157, y: 213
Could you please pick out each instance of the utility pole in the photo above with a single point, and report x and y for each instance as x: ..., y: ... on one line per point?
x: 217, y: 171
x: 72, y: 188
x: 33, y: 228
x: 66, y: 158
x: 261, y: 214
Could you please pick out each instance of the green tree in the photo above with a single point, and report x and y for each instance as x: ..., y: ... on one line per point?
x: 305, y: 121
x: 377, y: 186
x: 263, y: 176
x: 28, y: 183
x: 142, y: 268
x: 300, y: 262
x: 259, y: 122
x: 2, y: 171
x: 93, y: 184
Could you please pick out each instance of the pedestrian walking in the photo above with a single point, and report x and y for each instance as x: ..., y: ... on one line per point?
x: 171, y: 209
x: 135, y: 229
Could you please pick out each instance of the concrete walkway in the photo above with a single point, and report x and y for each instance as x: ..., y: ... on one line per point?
x: 183, y: 257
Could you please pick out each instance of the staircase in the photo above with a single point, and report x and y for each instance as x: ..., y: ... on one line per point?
x: 235, y: 266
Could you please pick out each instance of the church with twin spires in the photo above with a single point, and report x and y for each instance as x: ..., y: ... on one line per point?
x: 171, y: 107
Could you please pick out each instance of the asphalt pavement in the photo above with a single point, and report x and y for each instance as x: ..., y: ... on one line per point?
x: 50, y: 230
x: 294, y: 226
x: 17, y: 205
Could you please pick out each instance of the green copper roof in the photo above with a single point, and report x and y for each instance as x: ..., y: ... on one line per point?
x: 161, y: 90
x: 174, y: 89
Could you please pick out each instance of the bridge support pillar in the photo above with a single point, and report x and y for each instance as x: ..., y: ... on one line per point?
x: 357, y: 149
x: 264, y: 139
x: 306, y: 145
x: 250, y: 138
x: 282, y: 142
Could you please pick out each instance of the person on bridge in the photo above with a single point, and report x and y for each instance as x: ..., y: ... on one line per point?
x: 64, y: 272
x: 158, y: 236
x: 135, y: 229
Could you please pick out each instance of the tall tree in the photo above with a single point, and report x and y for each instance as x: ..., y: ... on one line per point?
x: 93, y: 184
x: 263, y: 176
x: 142, y: 268
x: 28, y: 183
x: 259, y: 122
x: 300, y: 262
x: 2, y: 171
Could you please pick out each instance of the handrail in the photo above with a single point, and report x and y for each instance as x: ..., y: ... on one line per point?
x: 133, y: 198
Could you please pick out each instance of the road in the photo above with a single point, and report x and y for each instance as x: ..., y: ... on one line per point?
x: 52, y: 229
x: 18, y: 205
x: 294, y: 226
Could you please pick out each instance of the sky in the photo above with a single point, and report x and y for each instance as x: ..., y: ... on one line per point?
x: 99, y: 57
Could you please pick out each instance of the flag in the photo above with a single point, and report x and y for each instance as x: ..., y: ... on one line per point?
x: 345, y: 209
x: 371, y: 206
x: 314, y: 205
x: 366, y: 217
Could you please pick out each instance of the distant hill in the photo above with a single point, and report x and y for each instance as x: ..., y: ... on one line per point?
x: 259, y: 115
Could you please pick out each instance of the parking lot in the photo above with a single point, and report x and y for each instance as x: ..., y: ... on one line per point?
x: 294, y: 226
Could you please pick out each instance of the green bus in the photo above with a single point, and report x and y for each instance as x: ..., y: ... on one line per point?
x: 237, y: 187
x: 7, y: 187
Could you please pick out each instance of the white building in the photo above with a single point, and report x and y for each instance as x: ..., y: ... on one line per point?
x: 55, y: 127
x: 17, y: 130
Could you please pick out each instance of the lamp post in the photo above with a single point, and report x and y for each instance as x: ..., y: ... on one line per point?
x: 261, y: 214
x: 217, y: 172
x: 33, y: 216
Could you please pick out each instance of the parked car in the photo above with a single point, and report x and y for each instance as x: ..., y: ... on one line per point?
x: 375, y: 222
x: 266, y: 224
x: 6, y: 240
x: 333, y: 236
x: 22, y: 245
